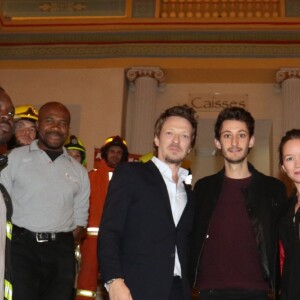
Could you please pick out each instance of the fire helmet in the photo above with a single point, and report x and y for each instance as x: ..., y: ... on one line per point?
x: 73, y: 143
x: 114, y: 141
x: 27, y: 112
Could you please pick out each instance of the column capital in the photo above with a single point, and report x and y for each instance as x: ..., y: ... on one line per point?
x: 153, y: 72
x: 286, y: 73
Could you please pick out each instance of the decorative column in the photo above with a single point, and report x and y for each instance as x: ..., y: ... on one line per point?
x: 144, y: 81
x: 289, y: 81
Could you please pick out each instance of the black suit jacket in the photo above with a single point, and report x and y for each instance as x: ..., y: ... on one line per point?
x: 137, y: 236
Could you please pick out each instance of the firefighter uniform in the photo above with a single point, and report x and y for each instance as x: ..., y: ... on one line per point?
x: 88, y: 274
x: 99, y: 180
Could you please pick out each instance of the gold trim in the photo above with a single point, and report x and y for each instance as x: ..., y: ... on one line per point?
x: 66, y: 18
x: 86, y: 293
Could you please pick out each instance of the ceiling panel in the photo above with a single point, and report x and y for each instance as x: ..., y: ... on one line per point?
x: 42, y: 8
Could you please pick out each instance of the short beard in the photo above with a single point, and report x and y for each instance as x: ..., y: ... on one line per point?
x: 172, y: 161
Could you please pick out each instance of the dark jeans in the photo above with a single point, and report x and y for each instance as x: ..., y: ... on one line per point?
x: 233, y: 295
x: 177, y: 290
x: 42, y: 271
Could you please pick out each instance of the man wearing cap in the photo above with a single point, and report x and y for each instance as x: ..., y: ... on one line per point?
x: 113, y: 152
x: 25, y: 126
x: 76, y: 149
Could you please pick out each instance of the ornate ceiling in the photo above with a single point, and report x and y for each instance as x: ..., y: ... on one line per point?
x: 105, y: 29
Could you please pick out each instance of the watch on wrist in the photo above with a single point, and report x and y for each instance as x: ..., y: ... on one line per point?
x: 108, y: 282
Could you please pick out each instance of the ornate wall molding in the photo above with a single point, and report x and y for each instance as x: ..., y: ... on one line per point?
x: 286, y: 73
x: 154, y: 72
x: 176, y: 9
x: 92, y: 45
x: 155, y: 50
x: 136, y: 29
x: 221, y: 9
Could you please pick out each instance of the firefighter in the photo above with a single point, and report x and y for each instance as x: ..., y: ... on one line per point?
x: 25, y: 132
x: 76, y: 149
x: 113, y: 152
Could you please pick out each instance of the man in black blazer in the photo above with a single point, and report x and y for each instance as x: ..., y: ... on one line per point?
x: 144, y: 234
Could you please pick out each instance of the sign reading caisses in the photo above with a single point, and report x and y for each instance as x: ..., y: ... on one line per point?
x: 217, y: 101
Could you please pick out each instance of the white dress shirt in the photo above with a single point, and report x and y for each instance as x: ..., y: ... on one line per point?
x: 177, y: 196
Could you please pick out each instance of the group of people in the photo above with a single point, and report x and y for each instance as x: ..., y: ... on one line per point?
x: 158, y: 239
x: 151, y: 235
x: 62, y: 203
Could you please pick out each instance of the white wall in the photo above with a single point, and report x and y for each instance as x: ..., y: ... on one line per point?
x: 263, y: 103
x: 95, y: 98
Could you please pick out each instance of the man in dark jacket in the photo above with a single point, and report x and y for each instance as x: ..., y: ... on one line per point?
x: 147, y: 218
x: 234, y: 243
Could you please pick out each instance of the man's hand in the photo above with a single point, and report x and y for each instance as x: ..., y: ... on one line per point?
x: 119, y: 291
x: 77, y: 233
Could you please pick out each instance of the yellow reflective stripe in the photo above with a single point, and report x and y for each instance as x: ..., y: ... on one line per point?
x: 9, y: 228
x: 7, y: 290
x: 86, y: 293
x: 92, y: 231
